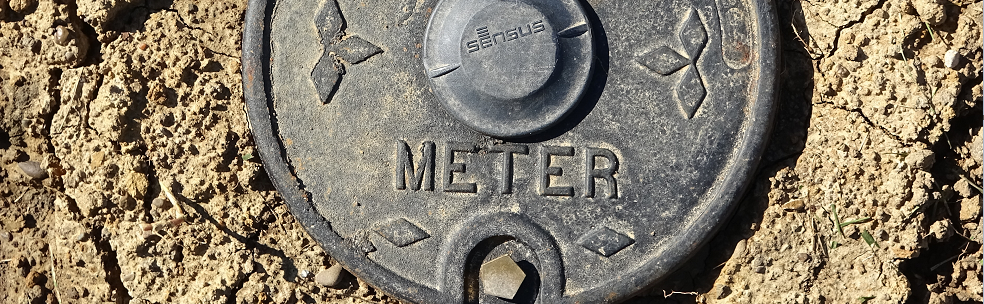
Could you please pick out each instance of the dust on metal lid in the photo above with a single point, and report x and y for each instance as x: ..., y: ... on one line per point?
x: 525, y: 150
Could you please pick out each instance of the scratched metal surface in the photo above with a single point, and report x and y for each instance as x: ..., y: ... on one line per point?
x: 355, y: 133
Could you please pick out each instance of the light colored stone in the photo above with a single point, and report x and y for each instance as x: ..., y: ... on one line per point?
x: 331, y: 277
x: 32, y: 169
x: 794, y: 205
x: 739, y: 249
x: 160, y: 203
x: 951, y: 59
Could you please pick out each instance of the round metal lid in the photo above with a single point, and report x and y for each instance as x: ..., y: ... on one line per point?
x: 510, y: 150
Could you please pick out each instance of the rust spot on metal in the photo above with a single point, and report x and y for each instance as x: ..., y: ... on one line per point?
x: 611, y: 296
x: 249, y: 75
x: 746, y: 53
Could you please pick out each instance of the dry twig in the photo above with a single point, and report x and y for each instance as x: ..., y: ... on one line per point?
x: 179, y: 215
x: 54, y: 281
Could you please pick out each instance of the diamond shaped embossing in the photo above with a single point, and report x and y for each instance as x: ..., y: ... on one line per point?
x: 355, y: 49
x: 401, y: 232
x: 690, y: 92
x: 327, y: 73
x: 663, y: 60
x: 692, y: 35
x: 604, y: 241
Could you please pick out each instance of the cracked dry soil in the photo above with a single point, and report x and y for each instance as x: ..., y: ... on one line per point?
x: 104, y: 101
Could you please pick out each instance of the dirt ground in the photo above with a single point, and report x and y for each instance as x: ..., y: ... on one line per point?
x: 870, y: 190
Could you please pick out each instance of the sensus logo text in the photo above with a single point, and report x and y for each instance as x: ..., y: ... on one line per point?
x: 486, y: 40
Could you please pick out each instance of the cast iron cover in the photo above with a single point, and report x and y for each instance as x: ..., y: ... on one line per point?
x: 486, y: 151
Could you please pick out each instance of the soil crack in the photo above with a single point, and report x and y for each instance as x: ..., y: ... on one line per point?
x: 864, y: 16
x: 189, y: 25
x: 868, y: 121
x: 111, y: 265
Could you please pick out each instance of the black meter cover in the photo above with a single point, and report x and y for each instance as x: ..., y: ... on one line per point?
x: 510, y: 151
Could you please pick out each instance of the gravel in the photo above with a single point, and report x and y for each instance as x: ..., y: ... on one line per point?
x: 32, y: 169
x: 331, y: 277
x: 951, y: 59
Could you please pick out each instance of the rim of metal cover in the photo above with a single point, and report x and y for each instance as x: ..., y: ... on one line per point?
x: 256, y: 90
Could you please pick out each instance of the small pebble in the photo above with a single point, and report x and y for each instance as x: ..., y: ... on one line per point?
x: 739, y: 249
x: 61, y: 35
x: 71, y: 293
x: 951, y: 59
x: 160, y: 203
x: 80, y: 236
x: 331, y: 277
x: 143, y: 46
x: 803, y: 256
x: 5, y: 236
x: 32, y: 169
x: 127, y: 277
x: 794, y: 205
x: 304, y: 273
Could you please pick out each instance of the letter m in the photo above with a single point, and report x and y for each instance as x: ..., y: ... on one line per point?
x: 421, y: 173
